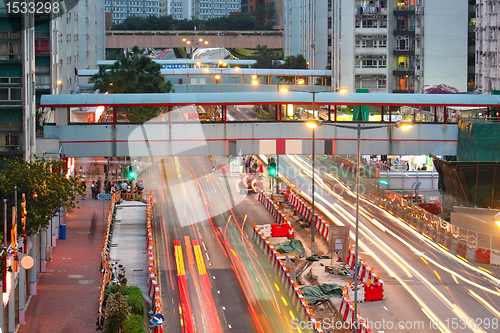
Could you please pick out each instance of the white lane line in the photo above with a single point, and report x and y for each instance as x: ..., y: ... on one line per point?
x: 207, y: 256
x: 202, y: 243
x: 386, y: 308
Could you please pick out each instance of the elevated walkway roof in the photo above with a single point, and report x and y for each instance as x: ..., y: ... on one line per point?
x: 242, y: 98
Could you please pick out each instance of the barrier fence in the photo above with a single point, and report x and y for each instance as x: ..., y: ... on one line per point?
x: 466, y: 243
x: 284, y: 227
x: 105, y: 258
x: 153, y: 287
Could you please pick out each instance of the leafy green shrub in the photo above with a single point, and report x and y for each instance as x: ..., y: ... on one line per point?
x: 134, y: 298
x: 135, y: 324
x: 117, y: 313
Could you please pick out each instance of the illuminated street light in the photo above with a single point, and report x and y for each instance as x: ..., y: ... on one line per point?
x: 343, y: 90
x: 313, y: 124
x: 496, y: 218
x: 283, y: 89
x: 301, y: 81
x: 255, y: 82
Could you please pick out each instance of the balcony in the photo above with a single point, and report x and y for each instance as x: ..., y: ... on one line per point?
x: 407, y: 11
x: 404, y: 31
x: 404, y: 70
x: 409, y: 52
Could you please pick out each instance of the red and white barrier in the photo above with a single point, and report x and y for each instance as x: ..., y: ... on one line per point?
x: 153, y: 288
x: 278, y: 216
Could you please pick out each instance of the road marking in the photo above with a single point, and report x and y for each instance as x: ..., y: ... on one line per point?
x: 223, y: 308
x: 204, y: 246
x: 207, y: 256
x: 213, y: 276
x: 229, y: 325
x: 218, y: 291
x: 385, y: 308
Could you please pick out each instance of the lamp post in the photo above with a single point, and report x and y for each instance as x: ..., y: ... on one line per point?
x: 402, y: 125
x: 313, y: 124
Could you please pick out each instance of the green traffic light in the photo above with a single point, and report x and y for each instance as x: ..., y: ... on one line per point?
x: 383, y: 182
x: 272, y: 172
x: 132, y: 175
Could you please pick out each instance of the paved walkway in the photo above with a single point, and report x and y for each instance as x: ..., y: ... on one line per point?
x: 68, y: 292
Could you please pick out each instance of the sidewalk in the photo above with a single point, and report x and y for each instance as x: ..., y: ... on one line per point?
x: 68, y: 292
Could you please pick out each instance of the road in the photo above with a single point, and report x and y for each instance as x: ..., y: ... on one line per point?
x: 425, y: 284
x: 241, y: 113
x: 209, y: 267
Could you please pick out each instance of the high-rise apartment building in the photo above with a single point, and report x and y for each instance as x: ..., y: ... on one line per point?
x: 381, y: 45
x: 487, y: 32
x: 202, y: 9
x: 121, y: 9
x: 41, y: 55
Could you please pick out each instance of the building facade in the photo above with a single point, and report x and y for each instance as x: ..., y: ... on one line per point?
x: 201, y: 9
x: 487, y: 33
x: 40, y: 55
x: 121, y: 9
x: 382, y: 45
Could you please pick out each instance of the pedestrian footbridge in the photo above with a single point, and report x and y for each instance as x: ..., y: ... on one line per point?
x: 169, y: 138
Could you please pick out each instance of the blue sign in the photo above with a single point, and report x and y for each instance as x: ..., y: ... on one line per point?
x: 105, y: 196
x: 173, y: 66
x: 158, y: 319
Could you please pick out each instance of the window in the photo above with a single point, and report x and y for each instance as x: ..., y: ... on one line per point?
x: 382, y: 83
x: 10, y: 94
x: 12, y: 140
x: 382, y: 63
x: 367, y: 43
x: 383, y: 23
x: 369, y: 23
x: 382, y: 43
x: 369, y: 63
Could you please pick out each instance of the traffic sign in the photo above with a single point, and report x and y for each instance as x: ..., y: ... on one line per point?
x: 105, y: 196
x: 158, y: 319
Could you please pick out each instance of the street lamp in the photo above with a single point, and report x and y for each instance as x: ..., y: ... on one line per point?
x: 402, y: 125
x: 496, y: 218
x: 313, y: 124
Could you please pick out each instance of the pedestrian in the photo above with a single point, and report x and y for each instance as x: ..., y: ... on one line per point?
x: 424, y: 167
x: 98, y: 186
x: 92, y: 188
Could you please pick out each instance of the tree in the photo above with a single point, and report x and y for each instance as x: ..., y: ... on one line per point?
x: 117, y: 312
x: 233, y: 22
x: 440, y: 89
x: 135, y: 73
x: 266, y: 58
x: 45, y: 189
x: 293, y: 62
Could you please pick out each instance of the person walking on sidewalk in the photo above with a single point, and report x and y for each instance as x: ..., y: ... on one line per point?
x: 93, y: 189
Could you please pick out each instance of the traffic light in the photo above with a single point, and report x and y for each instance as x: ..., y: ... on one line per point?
x: 131, y: 173
x: 272, y: 168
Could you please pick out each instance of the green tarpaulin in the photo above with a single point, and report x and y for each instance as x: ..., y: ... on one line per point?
x: 291, y: 246
x: 314, y: 294
x: 317, y: 257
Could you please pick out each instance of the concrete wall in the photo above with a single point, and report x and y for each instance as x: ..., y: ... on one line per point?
x: 202, y: 139
x: 445, y: 45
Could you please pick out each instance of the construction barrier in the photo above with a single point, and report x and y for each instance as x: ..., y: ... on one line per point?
x: 438, y: 231
x: 284, y: 227
x: 483, y: 256
x: 153, y: 288
x: 105, y: 258
x: 305, y: 313
x: 321, y: 226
